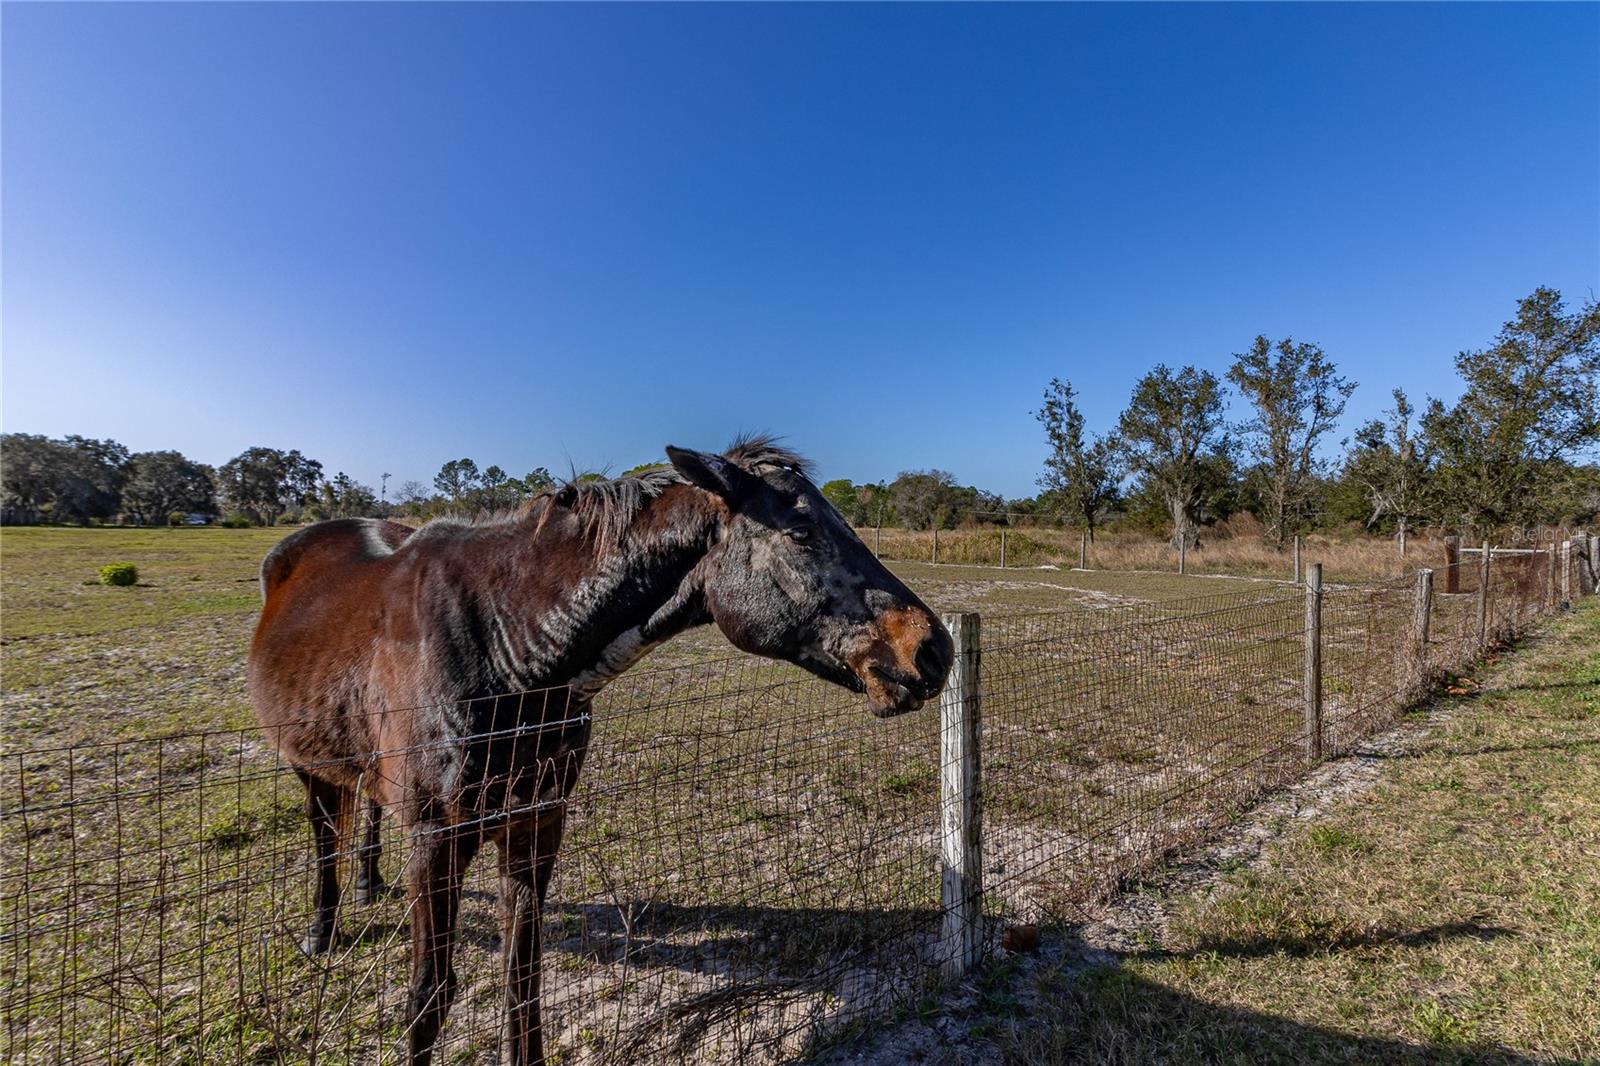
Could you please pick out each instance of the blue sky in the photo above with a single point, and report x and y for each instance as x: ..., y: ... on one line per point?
x: 553, y: 235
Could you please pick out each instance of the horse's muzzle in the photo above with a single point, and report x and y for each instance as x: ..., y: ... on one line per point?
x: 900, y: 691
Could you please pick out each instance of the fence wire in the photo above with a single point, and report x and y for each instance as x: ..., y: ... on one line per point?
x: 1109, y: 738
x: 746, y: 848
x: 1369, y: 662
x: 751, y: 863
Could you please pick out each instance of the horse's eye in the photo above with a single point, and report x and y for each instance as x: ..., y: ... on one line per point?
x: 798, y: 534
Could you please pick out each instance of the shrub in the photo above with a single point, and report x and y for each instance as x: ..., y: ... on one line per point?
x: 236, y: 521
x: 176, y: 518
x: 119, y: 574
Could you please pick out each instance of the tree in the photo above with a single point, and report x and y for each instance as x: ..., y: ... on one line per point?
x: 71, y: 480
x: 1531, y: 407
x: 875, y: 505
x: 1079, y: 474
x: 30, y: 467
x: 923, y: 499
x: 1390, y: 464
x: 300, y: 479
x: 412, y: 497
x: 1173, y: 440
x: 981, y: 505
x: 534, y: 482
x: 345, y: 497
x: 1298, y: 395
x: 90, y: 486
x: 456, y: 480
x: 107, y: 453
x: 1575, y: 497
x: 845, y: 497
x: 159, y: 483
x: 493, y: 489
x: 263, y: 483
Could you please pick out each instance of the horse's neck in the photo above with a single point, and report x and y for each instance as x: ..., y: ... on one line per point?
x: 620, y: 606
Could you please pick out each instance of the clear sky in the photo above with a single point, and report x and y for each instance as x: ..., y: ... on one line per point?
x: 390, y: 235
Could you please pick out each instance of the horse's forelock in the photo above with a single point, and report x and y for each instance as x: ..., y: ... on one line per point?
x: 754, y: 452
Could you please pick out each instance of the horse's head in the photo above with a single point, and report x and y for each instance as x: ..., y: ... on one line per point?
x: 789, y: 579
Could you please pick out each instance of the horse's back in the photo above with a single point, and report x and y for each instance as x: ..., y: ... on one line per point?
x: 340, y: 540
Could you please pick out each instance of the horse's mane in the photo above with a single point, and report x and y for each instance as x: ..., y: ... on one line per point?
x: 608, y: 506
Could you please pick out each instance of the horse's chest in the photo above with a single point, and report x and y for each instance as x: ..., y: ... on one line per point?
x: 510, y: 764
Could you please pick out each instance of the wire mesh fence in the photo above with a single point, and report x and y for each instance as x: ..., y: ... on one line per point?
x: 751, y: 864
x: 747, y: 847
x: 1109, y: 738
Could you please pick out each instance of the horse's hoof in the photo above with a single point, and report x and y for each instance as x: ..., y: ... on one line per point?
x: 372, y: 891
x: 316, y: 943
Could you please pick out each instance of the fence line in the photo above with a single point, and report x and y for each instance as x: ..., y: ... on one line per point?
x: 1034, y: 546
x: 752, y: 863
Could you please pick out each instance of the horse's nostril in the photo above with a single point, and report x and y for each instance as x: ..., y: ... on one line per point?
x: 933, y: 658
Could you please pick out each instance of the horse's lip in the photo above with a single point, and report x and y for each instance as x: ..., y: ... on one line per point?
x: 903, y: 703
x: 905, y: 698
x: 919, y: 688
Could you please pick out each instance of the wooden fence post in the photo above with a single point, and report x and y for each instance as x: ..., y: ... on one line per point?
x: 1183, y: 551
x: 961, y: 801
x: 935, y: 545
x: 1552, y: 590
x: 1421, y: 609
x: 1483, y: 598
x: 1452, y: 563
x: 877, y: 541
x: 1580, y: 565
x: 1566, y: 573
x: 1083, y: 549
x: 1584, y: 574
x: 1313, y: 678
x: 1594, y: 562
x: 1002, y: 547
x: 1297, y: 558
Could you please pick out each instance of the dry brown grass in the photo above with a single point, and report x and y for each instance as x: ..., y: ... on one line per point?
x: 1233, y: 547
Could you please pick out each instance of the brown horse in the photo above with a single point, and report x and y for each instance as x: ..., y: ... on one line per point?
x: 383, y: 658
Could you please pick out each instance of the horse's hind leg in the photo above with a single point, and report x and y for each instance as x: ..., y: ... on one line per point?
x: 324, y: 803
x: 369, y: 880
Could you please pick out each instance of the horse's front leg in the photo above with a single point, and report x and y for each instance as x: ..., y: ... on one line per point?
x: 439, y: 858
x: 369, y: 880
x: 526, y: 859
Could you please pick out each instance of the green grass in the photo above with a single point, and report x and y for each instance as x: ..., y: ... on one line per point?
x: 1450, y: 915
x: 51, y: 583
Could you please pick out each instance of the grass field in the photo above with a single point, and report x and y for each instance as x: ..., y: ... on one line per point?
x: 740, y: 826
x: 1449, y: 915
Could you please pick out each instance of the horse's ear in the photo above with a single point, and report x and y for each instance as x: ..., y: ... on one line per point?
x: 566, y: 494
x: 710, y: 472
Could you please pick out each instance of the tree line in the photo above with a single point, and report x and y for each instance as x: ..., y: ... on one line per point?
x: 1509, y: 452
x: 86, y: 481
